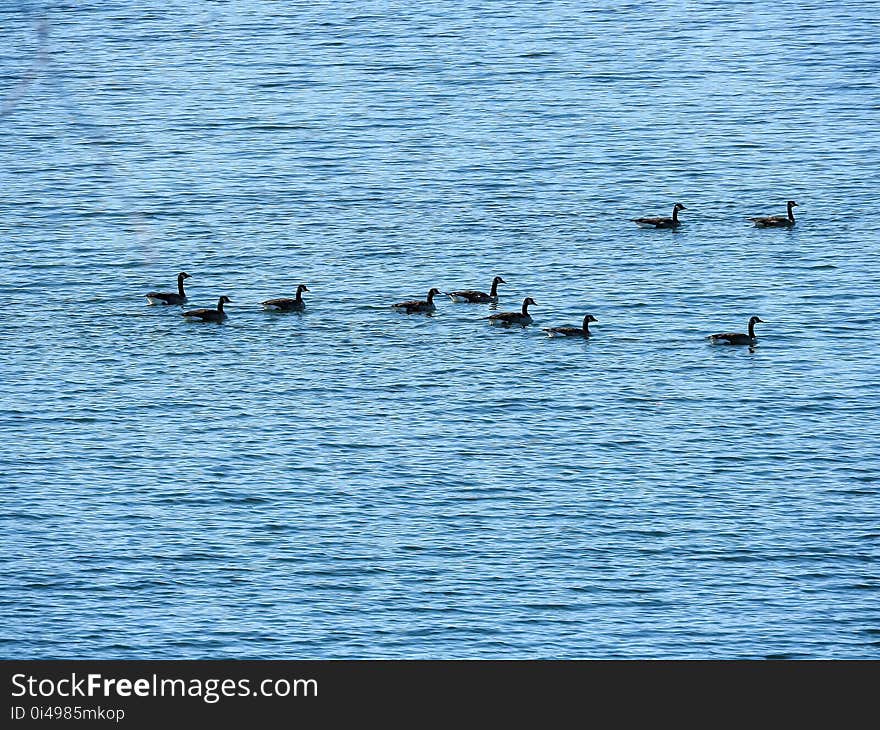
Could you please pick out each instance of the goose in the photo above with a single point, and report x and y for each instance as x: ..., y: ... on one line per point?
x: 776, y: 221
x: 472, y: 296
x: 286, y: 304
x: 210, y: 315
x: 661, y: 221
x: 416, y: 305
x: 508, y: 318
x: 158, y: 297
x: 738, y: 338
x: 571, y: 331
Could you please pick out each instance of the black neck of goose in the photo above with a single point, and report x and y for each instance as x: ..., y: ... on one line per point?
x: 675, y: 214
x: 493, y: 292
x: 299, y: 294
x: 751, y: 330
x: 525, y: 308
x: 220, y: 304
x: 430, y: 298
x: 180, y: 285
x: 587, y: 326
x: 790, y: 212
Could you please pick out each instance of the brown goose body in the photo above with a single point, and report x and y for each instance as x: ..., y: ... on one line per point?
x: 417, y: 305
x: 661, y: 221
x: 286, y: 304
x: 209, y: 315
x: 583, y: 331
x: 473, y: 296
x: 776, y: 221
x: 507, y: 319
x: 738, y: 338
x: 178, y: 297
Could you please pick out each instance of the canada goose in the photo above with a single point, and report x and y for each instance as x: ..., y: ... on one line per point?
x: 472, y: 296
x: 661, y: 221
x: 158, y: 297
x: 417, y: 305
x: 506, y: 319
x: 776, y: 221
x: 286, y: 304
x: 738, y: 338
x: 571, y: 331
x: 210, y: 315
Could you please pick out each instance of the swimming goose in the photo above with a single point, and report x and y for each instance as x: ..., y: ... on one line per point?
x: 571, y: 331
x: 661, y: 221
x: 210, y: 315
x: 286, y: 304
x: 416, y: 305
x: 776, y: 221
x: 738, y: 338
x: 472, y: 296
x: 158, y: 297
x: 508, y: 318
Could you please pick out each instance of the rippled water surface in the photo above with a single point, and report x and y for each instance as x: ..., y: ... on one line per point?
x: 355, y: 482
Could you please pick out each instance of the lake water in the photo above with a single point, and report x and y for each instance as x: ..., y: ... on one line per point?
x: 353, y: 482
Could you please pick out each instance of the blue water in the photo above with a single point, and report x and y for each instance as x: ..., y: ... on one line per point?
x: 353, y: 482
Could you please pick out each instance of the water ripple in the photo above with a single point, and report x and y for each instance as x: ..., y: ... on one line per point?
x: 354, y: 482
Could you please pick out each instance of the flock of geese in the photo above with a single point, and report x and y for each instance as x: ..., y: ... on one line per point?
x: 521, y: 318
x: 762, y: 221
